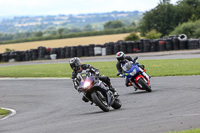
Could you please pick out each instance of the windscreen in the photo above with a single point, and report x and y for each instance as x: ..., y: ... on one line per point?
x: 127, y: 66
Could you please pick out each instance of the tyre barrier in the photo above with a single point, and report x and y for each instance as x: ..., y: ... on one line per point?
x: 193, y: 44
x: 116, y: 47
x: 129, y: 47
x: 123, y: 47
x: 161, y: 45
x: 110, y: 48
x: 97, y: 50
x: 91, y: 49
x: 146, y: 45
x: 169, y: 44
x: 85, y: 50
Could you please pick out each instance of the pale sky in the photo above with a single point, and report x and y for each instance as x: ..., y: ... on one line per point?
x: 55, y: 7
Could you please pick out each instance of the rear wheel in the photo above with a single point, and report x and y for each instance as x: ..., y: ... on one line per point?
x: 100, y: 101
x: 144, y: 85
x: 117, y: 104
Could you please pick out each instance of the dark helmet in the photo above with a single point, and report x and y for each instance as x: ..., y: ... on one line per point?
x: 75, y: 63
x: 120, y: 56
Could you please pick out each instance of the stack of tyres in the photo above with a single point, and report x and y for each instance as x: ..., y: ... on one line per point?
x: 0, y: 57
x: 91, y: 49
x: 146, y: 45
x: 116, y: 47
x: 161, y: 45
x: 154, y: 45
x: 103, y: 50
x: 58, y: 53
x: 123, y: 47
x: 80, y: 51
x: 110, y: 48
x: 193, y: 43
x: 86, y: 50
x: 28, y: 55
x: 141, y: 46
x: 67, y: 52
x: 63, y: 53
x: 175, y: 43
x: 183, y: 44
x: 41, y: 52
x: 18, y: 55
x: 136, y: 46
x: 169, y: 44
x: 5, y: 57
x: 98, y: 50
x: 12, y: 56
x: 73, y: 51
x: 34, y: 54
x: 129, y: 46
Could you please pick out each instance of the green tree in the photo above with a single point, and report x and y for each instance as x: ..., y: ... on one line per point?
x: 113, y: 24
x: 162, y: 18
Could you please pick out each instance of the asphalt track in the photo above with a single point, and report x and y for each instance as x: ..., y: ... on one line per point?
x: 53, y: 106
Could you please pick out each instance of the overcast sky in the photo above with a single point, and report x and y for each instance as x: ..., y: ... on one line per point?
x: 55, y: 7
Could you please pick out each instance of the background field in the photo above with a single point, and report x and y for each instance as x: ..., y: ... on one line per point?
x: 64, y: 42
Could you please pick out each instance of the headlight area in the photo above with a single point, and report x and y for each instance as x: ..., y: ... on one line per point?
x: 133, y: 72
x: 86, y: 84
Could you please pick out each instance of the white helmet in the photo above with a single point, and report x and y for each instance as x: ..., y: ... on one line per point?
x: 120, y: 56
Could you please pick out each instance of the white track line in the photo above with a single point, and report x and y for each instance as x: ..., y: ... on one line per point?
x: 12, y: 113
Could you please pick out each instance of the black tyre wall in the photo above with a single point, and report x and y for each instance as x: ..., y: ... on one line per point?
x: 74, y: 51
x: 146, y: 45
x: 123, y: 47
x: 175, y: 43
x: 67, y: 52
x: 116, y: 47
x: 169, y: 44
x: 86, y: 51
x: 79, y: 51
x: 109, y: 48
x: 91, y: 50
x: 129, y: 46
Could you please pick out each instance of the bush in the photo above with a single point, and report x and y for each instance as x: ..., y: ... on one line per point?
x: 191, y: 29
x: 132, y: 37
x: 153, y: 34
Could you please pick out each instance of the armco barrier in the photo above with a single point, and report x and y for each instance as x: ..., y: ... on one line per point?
x: 110, y: 48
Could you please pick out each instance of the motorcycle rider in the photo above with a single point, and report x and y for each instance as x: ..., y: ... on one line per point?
x: 77, y: 67
x: 121, y: 59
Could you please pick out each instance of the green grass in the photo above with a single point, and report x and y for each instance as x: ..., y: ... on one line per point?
x: 169, y: 67
x: 197, y: 130
x: 3, y: 112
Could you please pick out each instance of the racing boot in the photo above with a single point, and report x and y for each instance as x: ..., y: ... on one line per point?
x: 113, y: 90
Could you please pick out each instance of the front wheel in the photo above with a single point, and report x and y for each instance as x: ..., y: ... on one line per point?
x: 144, y: 85
x: 100, y: 101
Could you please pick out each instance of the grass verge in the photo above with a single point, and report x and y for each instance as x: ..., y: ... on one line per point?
x: 168, y: 67
x: 197, y: 130
x: 3, y: 112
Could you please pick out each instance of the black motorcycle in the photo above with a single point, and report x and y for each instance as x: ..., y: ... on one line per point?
x: 98, y: 92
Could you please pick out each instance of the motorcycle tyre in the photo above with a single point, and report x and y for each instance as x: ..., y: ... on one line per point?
x: 144, y: 85
x: 99, y: 103
x: 117, y: 104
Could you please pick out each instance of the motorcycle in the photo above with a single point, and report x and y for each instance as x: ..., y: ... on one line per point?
x: 98, y: 92
x: 135, y: 76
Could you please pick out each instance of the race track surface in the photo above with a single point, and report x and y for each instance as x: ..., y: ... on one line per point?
x: 54, y: 106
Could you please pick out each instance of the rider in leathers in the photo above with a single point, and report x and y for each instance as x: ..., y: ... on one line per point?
x: 77, y: 67
x: 121, y: 59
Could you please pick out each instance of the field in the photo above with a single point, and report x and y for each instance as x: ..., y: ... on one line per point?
x: 64, y: 42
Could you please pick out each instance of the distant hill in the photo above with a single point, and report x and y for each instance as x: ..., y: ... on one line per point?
x: 52, y: 22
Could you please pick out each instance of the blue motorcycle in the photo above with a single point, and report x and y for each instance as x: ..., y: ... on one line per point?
x: 135, y: 77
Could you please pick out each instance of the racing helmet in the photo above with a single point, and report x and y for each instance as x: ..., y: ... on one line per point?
x: 75, y: 63
x: 120, y: 56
